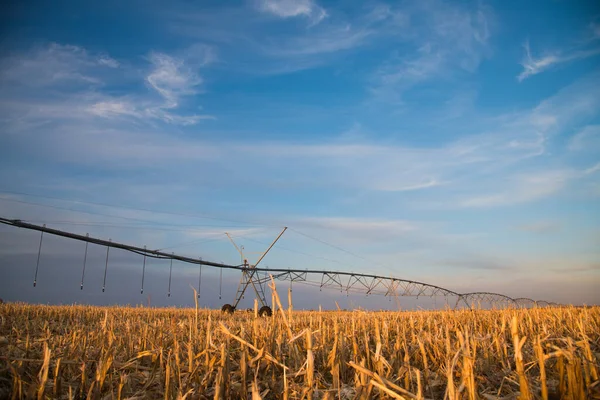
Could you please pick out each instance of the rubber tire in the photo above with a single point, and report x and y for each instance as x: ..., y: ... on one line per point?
x: 227, y: 309
x: 265, y: 311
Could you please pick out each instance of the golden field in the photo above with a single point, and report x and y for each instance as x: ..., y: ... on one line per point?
x: 77, y: 352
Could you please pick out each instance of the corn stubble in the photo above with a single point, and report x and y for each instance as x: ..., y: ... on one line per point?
x: 84, y: 352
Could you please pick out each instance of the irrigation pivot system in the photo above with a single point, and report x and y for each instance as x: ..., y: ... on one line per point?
x: 255, y: 276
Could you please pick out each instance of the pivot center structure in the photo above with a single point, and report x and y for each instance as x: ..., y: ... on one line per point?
x: 250, y: 277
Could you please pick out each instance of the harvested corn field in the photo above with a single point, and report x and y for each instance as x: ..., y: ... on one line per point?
x: 76, y: 352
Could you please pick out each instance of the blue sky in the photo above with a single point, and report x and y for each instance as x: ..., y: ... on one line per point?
x: 456, y: 143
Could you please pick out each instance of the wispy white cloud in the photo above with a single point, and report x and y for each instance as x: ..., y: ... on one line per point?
x: 55, y: 63
x: 531, y: 131
x: 446, y: 39
x: 403, y: 73
x: 535, y: 65
x: 172, y: 79
x: 108, y: 61
x: 425, y: 185
x: 72, y: 78
x: 478, y: 262
x: 593, y: 169
x: 467, y: 31
x: 522, y: 189
x: 117, y: 108
x: 108, y: 108
x: 364, y: 227
x: 540, y: 227
x: 525, y: 188
x: 293, y: 8
x: 581, y: 268
x: 331, y: 40
x: 258, y: 49
x: 429, y: 37
x: 586, y: 140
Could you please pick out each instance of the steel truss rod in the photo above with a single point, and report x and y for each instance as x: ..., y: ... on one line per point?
x: 361, y: 283
x: 84, y: 261
x: 493, y: 298
x: 343, y: 281
x: 170, y: 274
x: 37, y: 266
x: 526, y: 302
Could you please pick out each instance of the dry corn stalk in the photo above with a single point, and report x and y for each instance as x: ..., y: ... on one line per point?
x: 129, y: 353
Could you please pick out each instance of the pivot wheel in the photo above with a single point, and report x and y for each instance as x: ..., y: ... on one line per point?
x: 227, y: 309
x: 265, y: 311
